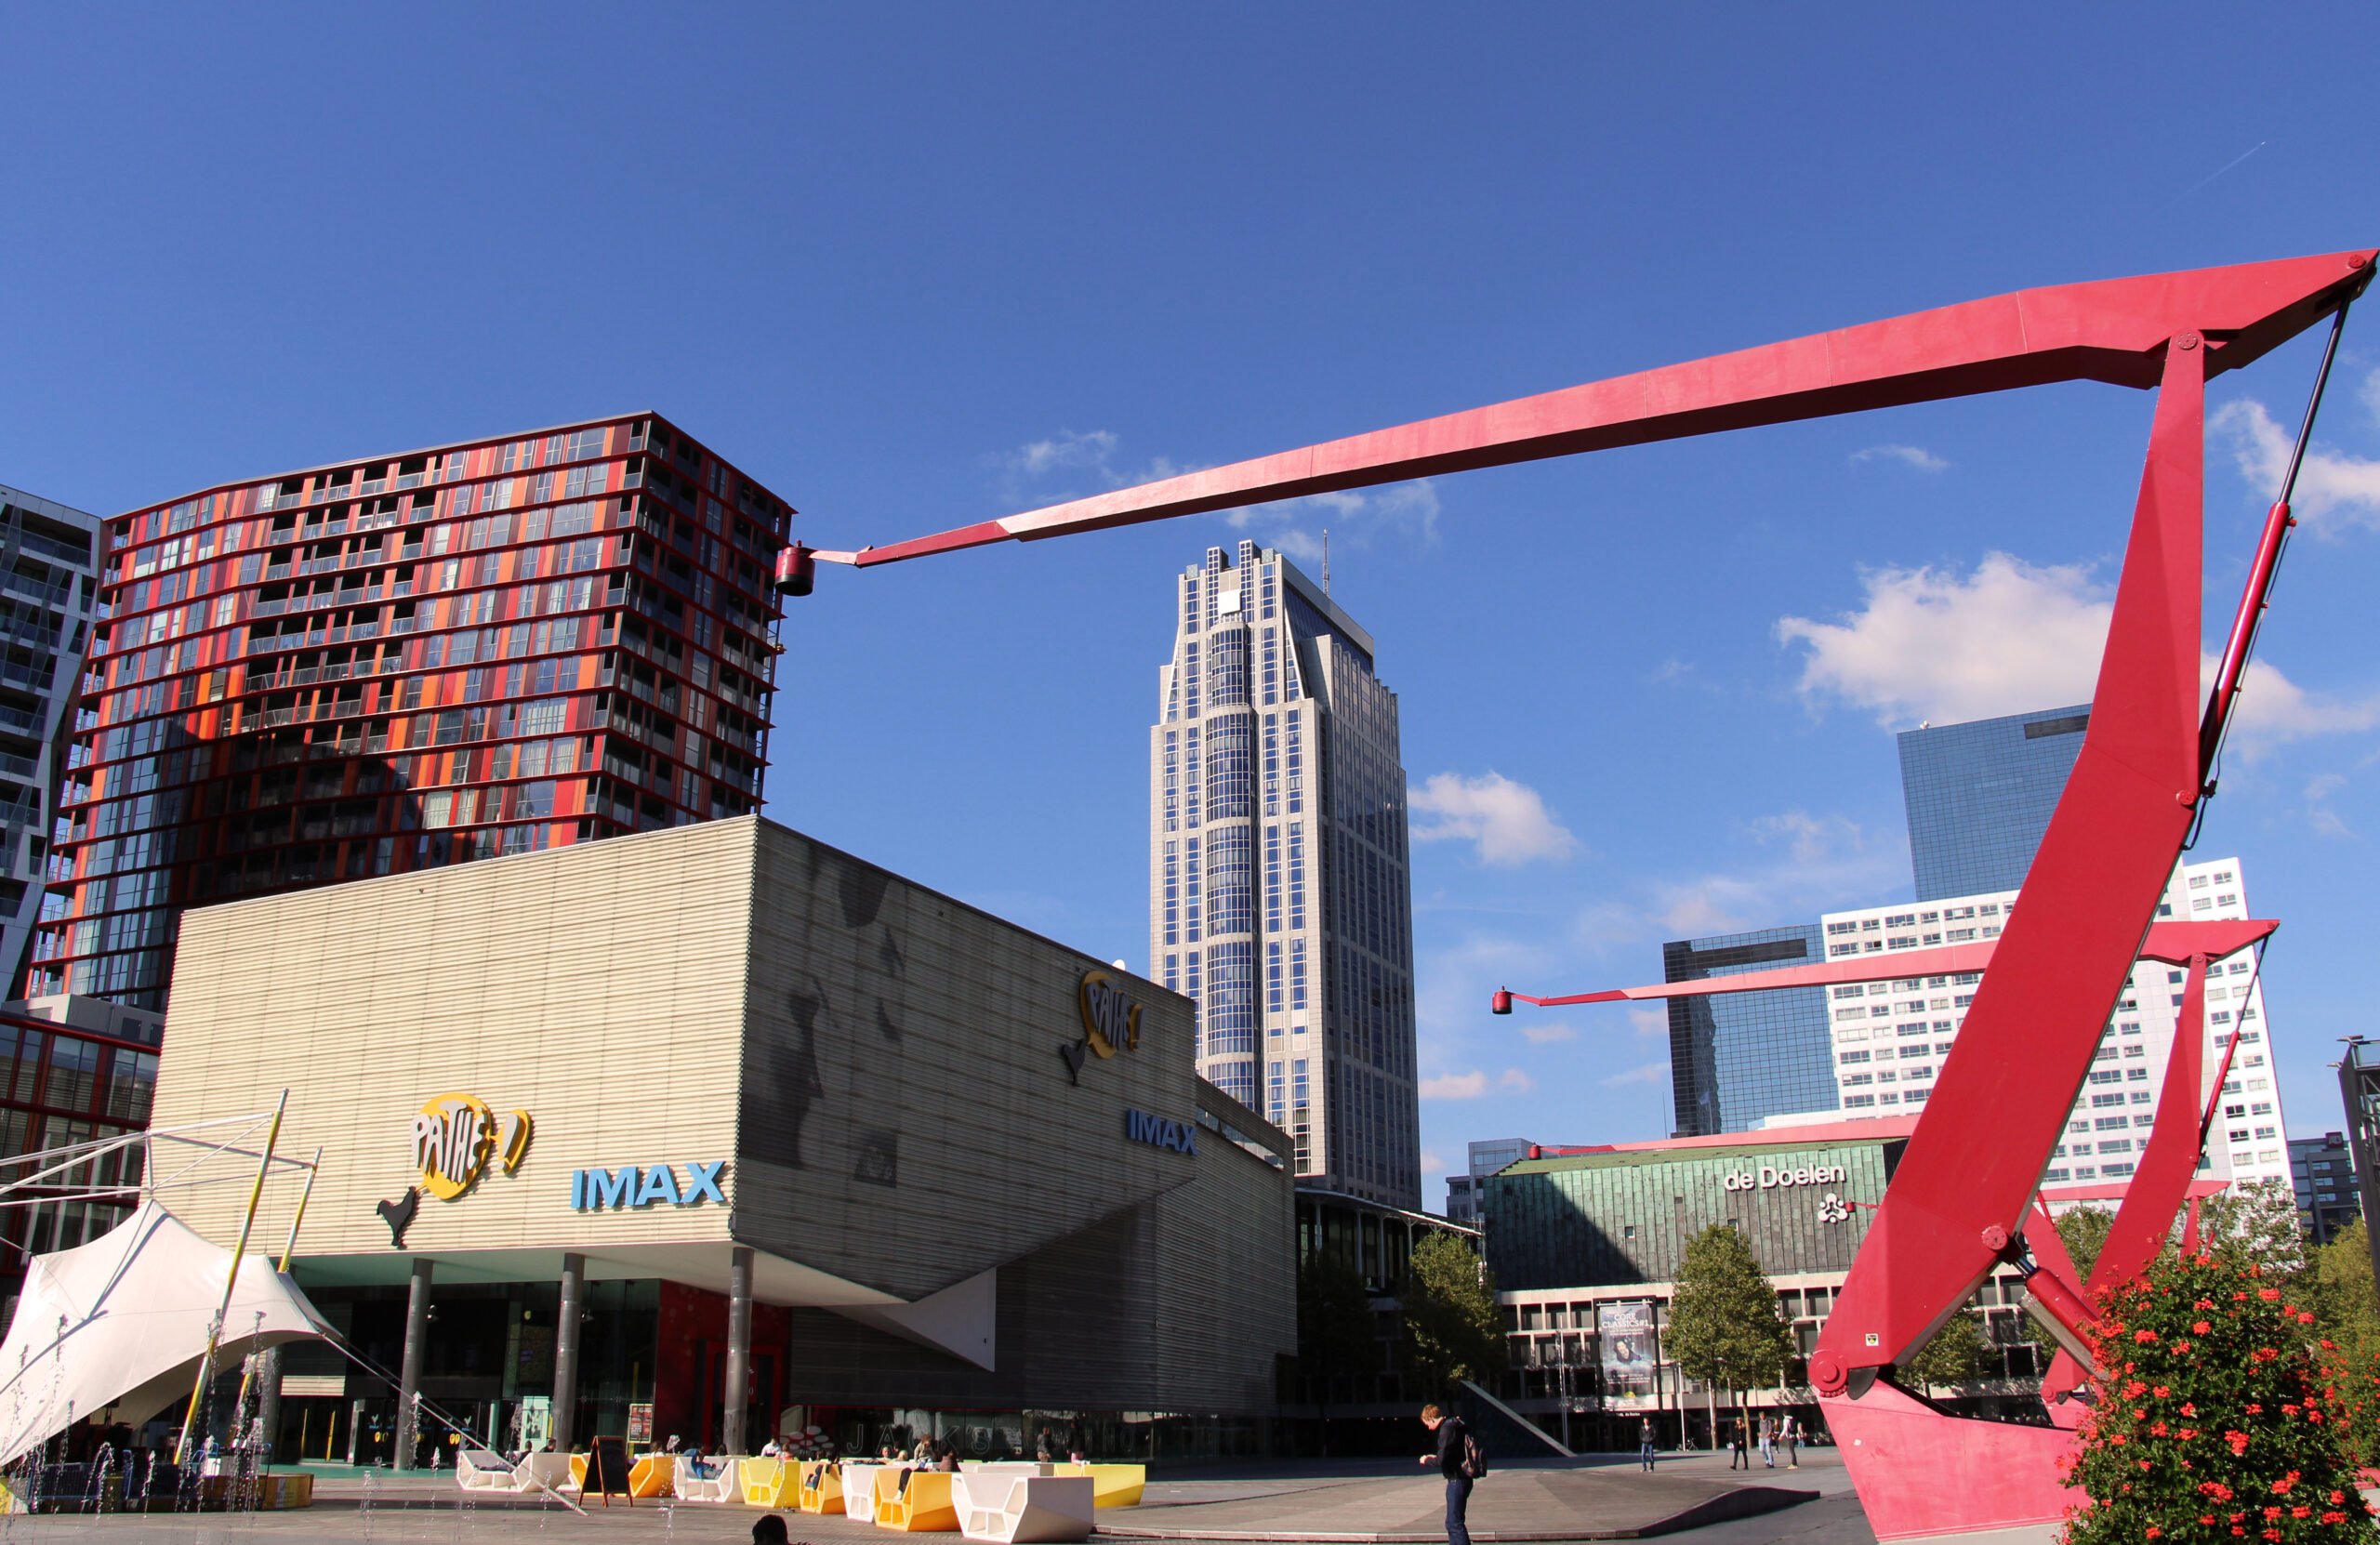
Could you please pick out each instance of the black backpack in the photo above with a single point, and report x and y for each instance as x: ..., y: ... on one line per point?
x: 1474, y: 1459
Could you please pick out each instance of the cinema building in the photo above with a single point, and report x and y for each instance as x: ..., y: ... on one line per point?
x: 1585, y: 1245
x: 718, y: 1127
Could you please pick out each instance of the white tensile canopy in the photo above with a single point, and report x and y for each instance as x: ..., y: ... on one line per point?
x: 122, y: 1321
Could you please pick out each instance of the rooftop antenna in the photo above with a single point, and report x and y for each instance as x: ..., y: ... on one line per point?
x: 1326, y: 561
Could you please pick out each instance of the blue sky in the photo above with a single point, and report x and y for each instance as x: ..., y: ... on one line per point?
x: 920, y: 266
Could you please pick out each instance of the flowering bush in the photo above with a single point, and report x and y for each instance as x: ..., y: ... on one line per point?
x: 2219, y: 1418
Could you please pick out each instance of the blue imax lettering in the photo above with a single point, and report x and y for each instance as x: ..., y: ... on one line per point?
x: 642, y: 1185
x: 1180, y: 1136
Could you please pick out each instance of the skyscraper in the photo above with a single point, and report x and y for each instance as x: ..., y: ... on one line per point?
x: 402, y: 662
x: 1980, y: 795
x: 1278, y: 890
x: 1739, y: 1057
x: 49, y: 564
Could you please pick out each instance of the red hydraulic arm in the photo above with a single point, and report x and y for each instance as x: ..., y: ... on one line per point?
x: 1966, y: 1183
x: 2111, y: 330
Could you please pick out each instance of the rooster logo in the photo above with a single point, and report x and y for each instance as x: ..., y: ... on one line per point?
x: 398, y: 1215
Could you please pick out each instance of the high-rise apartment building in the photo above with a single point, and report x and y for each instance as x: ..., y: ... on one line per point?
x: 1980, y: 796
x: 1737, y: 1059
x: 1887, y: 1068
x: 406, y: 661
x: 49, y: 558
x: 1278, y: 890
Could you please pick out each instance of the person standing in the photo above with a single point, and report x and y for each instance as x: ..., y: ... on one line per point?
x: 1767, y: 1441
x: 1645, y: 1452
x: 1739, y: 1456
x: 1793, y: 1444
x: 1449, y: 1458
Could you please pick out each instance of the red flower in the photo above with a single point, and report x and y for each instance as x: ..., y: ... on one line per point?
x: 2269, y: 1294
x: 2189, y: 1408
x: 2239, y: 1442
x: 2181, y: 1346
x: 2220, y: 1492
x: 2152, y: 1532
x: 2135, y: 1390
x: 2333, y: 1518
x: 2203, y: 1328
x: 2264, y: 1354
x: 2301, y: 1512
x: 2159, y: 1430
x: 2160, y: 1392
x: 2144, y: 1336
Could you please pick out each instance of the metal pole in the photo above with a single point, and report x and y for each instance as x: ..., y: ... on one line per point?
x: 739, y: 1349
x: 290, y: 1247
x: 574, y: 1274
x: 409, y: 1371
x: 215, y: 1330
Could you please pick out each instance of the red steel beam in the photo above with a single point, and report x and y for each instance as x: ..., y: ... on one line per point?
x: 2111, y: 330
x: 2173, y: 942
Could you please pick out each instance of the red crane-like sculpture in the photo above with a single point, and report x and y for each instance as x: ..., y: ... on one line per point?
x: 1966, y: 1189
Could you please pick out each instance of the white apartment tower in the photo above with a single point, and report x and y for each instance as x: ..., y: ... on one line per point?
x: 1885, y: 1068
x: 1279, y: 891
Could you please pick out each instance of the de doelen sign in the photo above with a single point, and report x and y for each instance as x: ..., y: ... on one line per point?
x: 1770, y: 1176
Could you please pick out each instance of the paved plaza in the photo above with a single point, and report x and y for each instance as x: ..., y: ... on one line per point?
x: 1350, y: 1502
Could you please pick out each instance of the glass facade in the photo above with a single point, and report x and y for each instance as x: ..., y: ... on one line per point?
x: 1739, y: 1057
x: 48, y: 568
x: 481, y: 649
x: 1276, y: 794
x: 1980, y: 796
x: 2322, y: 1170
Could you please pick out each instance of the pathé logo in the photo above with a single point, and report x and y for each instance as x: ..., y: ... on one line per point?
x: 1111, y: 1020
x: 455, y: 1135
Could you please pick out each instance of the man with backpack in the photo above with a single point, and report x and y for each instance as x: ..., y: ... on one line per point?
x: 1458, y: 1458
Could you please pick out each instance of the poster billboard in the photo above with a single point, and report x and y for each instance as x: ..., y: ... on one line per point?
x: 1630, y: 1349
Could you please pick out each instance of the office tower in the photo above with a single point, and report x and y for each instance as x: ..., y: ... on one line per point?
x: 1463, y: 1190
x: 1980, y: 794
x: 1739, y: 1057
x: 2322, y: 1168
x: 1278, y: 896
x: 48, y: 563
x: 405, y: 661
x: 1887, y: 1068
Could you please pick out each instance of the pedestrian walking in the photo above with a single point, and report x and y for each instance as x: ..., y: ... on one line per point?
x: 1458, y: 1459
x: 1645, y: 1452
x: 1792, y: 1443
x: 1738, y: 1453
x: 1768, y: 1442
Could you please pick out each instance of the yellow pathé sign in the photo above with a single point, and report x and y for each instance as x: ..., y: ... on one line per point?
x: 456, y: 1137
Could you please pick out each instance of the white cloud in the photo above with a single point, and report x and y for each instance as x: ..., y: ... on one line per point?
x: 1546, y: 1035
x: 1909, y: 456
x: 1353, y: 516
x: 1938, y: 644
x: 1068, y: 465
x: 1826, y: 862
x: 1432, y: 1164
x: 1649, y: 1022
x: 1651, y: 1072
x: 2334, y: 489
x: 1454, y: 1086
x: 2318, y: 813
x: 2011, y: 637
x: 1507, y: 821
x: 1514, y: 1079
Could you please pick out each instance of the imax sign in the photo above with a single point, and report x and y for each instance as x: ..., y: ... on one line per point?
x: 643, y: 1185
x: 1180, y: 1136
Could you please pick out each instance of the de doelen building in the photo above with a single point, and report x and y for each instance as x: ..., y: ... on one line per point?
x: 637, y: 1122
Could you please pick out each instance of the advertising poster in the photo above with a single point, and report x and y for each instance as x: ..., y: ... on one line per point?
x: 1629, y: 1350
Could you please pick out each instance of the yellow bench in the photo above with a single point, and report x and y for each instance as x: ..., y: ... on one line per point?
x: 650, y: 1475
x: 924, y: 1506
x: 821, y: 1488
x: 765, y: 1483
x: 1112, y: 1485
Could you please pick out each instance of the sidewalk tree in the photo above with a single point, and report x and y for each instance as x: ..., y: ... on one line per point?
x: 1724, y: 1328
x: 1951, y: 1355
x: 2347, y: 1310
x: 2255, y: 1222
x: 1452, y: 1328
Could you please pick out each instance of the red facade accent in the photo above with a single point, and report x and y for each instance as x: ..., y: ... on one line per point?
x: 486, y: 648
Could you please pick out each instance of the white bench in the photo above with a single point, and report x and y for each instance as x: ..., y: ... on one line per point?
x: 997, y: 1504
x: 723, y: 1487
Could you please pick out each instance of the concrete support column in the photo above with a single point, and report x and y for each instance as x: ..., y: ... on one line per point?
x: 739, y: 1351
x: 268, y: 1398
x: 409, y: 1372
x: 574, y: 1282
